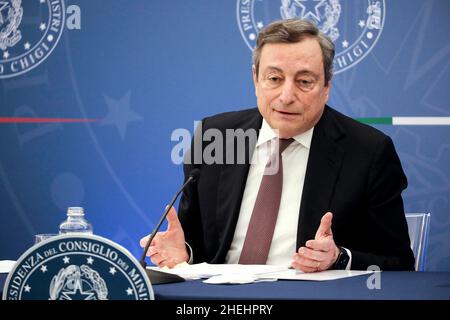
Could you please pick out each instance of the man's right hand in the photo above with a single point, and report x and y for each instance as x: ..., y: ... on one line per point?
x: 168, y: 248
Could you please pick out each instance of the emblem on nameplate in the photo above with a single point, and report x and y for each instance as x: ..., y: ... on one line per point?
x: 77, y: 267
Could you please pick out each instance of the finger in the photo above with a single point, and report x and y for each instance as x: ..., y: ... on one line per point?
x: 312, y: 254
x: 159, y: 260
x: 306, y: 262
x: 303, y: 269
x: 300, y: 266
x: 324, y: 229
x: 172, y: 219
x: 171, y: 263
x: 153, y: 250
x: 143, y: 241
x: 319, y: 245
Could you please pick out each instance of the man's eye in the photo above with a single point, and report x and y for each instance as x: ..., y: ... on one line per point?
x: 306, y: 83
x: 274, y: 79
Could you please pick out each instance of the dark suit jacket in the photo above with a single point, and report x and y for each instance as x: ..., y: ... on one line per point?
x: 353, y: 171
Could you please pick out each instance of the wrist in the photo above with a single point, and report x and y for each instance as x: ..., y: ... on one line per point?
x: 337, y: 252
x: 185, y: 256
x: 342, y: 260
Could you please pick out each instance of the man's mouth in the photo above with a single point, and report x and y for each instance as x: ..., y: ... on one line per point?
x: 285, y: 113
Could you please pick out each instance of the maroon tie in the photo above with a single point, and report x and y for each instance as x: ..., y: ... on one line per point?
x: 265, y: 212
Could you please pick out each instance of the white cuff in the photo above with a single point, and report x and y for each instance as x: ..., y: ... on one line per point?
x: 191, y: 254
x: 349, y: 264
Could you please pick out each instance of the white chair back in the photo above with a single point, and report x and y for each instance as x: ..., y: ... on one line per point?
x: 418, y: 229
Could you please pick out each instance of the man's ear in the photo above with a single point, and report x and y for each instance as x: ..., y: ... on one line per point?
x: 327, y: 89
x: 255, y: 79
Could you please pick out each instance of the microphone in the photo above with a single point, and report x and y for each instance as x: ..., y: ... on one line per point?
x: 193, y: 176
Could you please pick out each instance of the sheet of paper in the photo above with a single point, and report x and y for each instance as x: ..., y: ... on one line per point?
x: 6, y: 265
x: 206, y: 270
x: 240, y: 274
x: 236, y: 279
x: 292, y: 274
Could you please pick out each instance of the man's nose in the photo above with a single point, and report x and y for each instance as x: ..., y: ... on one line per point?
x: 287, y: 95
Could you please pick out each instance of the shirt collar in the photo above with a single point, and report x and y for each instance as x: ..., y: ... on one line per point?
x: 266, y: 134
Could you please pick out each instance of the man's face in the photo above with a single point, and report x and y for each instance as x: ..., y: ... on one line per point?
x: 290, y: 88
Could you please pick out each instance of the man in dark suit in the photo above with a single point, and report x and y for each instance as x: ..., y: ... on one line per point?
x: 337, y: 202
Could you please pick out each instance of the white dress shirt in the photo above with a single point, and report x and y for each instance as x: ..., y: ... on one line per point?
x: 295, y: 159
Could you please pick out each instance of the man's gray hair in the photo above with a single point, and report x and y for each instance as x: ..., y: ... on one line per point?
x: 293, y: 31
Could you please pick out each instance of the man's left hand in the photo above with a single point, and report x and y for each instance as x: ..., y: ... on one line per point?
x: 318, y: 254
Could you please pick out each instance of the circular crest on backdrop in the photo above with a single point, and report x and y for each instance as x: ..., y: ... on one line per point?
x: 29, y: 31
x: 353, y: 25
x: 77, y: 267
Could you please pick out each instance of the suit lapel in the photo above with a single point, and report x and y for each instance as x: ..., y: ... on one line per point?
x: 324, y: 163
x: 233, y: 178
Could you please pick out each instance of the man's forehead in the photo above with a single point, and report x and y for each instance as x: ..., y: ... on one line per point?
x: 286, y: 51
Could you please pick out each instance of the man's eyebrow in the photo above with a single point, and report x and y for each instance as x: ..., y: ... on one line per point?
x: 307, y: 73
x: 273, y: 68
x: 298, y: 73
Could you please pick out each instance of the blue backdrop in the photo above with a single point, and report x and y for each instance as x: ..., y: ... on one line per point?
x: 131, y: 72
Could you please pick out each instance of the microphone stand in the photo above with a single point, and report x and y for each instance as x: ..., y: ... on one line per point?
x: 158, y: 277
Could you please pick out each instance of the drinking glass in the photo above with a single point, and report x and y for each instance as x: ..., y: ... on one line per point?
x: 43, y: 236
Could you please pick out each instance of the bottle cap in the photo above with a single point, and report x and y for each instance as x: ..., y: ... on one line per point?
x: 75, y: 211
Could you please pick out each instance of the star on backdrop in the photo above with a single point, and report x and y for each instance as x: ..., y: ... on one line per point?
x: 120, y: 113
x: 310, y: 8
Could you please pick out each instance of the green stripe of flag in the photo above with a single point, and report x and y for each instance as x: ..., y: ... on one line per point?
x: 386, y: 120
